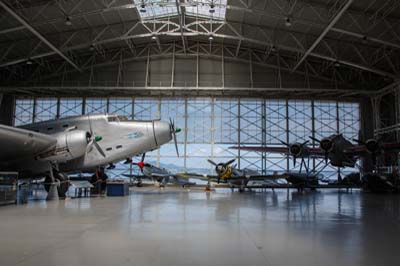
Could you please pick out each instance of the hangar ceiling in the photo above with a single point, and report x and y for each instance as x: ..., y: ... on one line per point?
x: 352, y: 46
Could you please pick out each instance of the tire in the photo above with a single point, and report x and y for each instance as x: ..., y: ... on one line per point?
x: 64, y: 184
x: 47, y: 182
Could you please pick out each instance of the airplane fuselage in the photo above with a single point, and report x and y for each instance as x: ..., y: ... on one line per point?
x: 120, y: 139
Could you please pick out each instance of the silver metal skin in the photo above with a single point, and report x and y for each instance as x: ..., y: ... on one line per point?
x: 77, y: 143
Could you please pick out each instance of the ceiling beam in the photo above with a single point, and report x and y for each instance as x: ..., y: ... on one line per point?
x: 37, y: 34
x: 324, y: 32
x: 175, y: 33
x: 310, y: 23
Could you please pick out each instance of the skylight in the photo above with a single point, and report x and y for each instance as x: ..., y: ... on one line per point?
x: 156, y: 8
x: 214, y: 9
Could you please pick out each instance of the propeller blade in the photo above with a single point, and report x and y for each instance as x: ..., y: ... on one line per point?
x: 211, y: 162
x: 305, y: 142
x: 99, y: 149
x: 173, y: 132
x: 176, y: 143
x: 284, y: 143
x: 229, y: 162
x: 143, y: 156
x: 294, y: 161
x: 359, y: 141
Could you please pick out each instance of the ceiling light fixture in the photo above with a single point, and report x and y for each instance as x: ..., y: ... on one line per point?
x: 29, y: 61
x: 364, y: 39
x: 288, y: 23
x: 212, y: 6
x: 91, y: 48
x: 143, y: 8
x: 68, y: 21
x: 154, y: 37
x: 211, y: 38
x: 337, y: 64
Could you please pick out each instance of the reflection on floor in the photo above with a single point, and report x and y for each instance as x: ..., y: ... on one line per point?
x: 180, y: 227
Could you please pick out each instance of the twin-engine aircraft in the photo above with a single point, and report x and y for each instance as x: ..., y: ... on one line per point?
x: 82, y: 143
x: 335, y: 149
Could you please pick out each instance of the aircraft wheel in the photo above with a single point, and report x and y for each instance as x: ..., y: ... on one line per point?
x: 64, y: 184
x: 47, y: 182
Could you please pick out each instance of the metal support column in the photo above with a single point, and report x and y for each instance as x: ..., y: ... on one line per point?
x: 197, y: 66
x: 147, y: 68
x: 222, y: 67
x: 287, y: 134
x: 238, y: 133
x: 264, y: 136
x: 34, y: 110
x: 186, y: 128
x: 212, y: 130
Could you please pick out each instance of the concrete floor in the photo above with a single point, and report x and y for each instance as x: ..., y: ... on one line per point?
x: 195, y: 228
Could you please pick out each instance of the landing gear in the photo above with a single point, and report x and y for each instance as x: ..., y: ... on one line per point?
x: 56, y: 184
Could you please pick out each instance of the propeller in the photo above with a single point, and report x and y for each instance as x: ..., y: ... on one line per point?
x: 93, y: 139
x: 173, y: 131
x: 141, y: 163
x: 326, y: 145
x: 295, y: 149
x: 373, y: 146
x: 229, y: 162
x: 220, y: 168
x: 211, y: 162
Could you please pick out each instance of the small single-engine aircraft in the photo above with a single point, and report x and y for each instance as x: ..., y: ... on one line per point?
x: 160, y: 175
x: 236, y: 178
x: 82, y: 143
x: 339, y: 151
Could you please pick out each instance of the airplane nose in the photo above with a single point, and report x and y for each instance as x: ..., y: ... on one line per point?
x: 162, y: 132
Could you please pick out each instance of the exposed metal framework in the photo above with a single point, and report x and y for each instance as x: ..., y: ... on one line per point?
x: 349, y: 41
x: 211, y: 125
x: 37, y: 34
x: 310, y: 82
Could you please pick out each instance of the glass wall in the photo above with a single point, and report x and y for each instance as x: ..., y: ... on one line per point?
x: 211, y: 125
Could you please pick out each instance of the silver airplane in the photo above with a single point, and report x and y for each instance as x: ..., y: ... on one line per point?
x: 82, y: 143
x: 161, y: 175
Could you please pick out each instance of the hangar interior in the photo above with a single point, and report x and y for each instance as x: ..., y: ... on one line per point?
x: 228, y: 73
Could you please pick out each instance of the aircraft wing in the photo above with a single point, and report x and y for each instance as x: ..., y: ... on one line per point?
x: 361, y: 150
x: 17, y: 142
x: 261, y: 149
x: 391, y: 146
x: 197, y: 176
x: 311, y: 152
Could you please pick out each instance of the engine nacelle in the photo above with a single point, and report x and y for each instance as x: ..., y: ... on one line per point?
x: 70, y: 145
x: 373, y: 146
x: 296, y: 149
x: 326, y: 145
